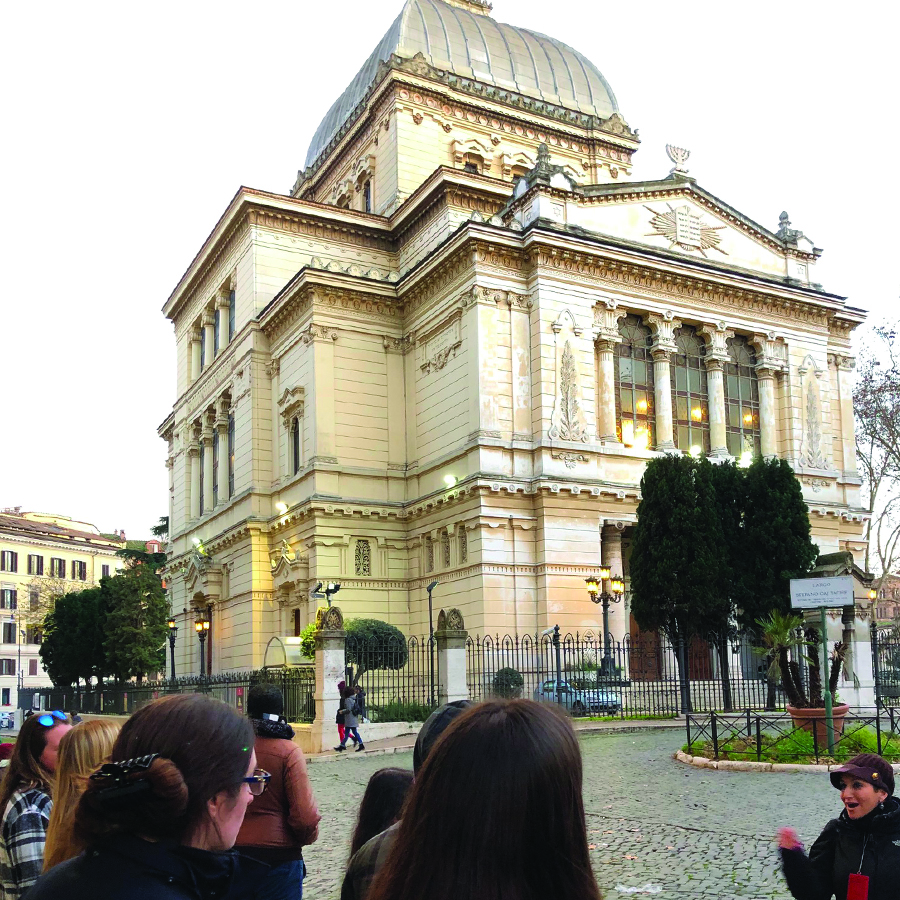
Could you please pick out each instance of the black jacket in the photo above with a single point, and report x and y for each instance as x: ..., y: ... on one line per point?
x: 838, y: 852
x: 128, y: 868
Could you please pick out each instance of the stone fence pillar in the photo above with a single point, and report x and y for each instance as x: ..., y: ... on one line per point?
x: 330, y: 636
x: 450, y: 636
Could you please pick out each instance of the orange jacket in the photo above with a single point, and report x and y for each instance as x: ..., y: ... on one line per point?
x: 284, y: 818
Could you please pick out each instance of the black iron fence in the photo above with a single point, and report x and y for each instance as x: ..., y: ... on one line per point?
x: 638, y: 676
x: 886, y: 666
x: 297, y: 684
x: 777, y: 737
x: 398, y: 674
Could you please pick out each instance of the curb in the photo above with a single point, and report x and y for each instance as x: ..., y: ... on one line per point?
x: 734, y: 765
x: 598, y: 728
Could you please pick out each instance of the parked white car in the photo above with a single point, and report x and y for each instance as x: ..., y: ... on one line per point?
x: 579, y: 703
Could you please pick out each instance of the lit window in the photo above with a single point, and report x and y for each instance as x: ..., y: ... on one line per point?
x: 741, y: 400
x: 690, y: 397
x: 634, y: 384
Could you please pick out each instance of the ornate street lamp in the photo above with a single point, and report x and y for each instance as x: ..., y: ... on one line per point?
x: 173, y: 633
x: 596, y: 589
x: 201, y: 626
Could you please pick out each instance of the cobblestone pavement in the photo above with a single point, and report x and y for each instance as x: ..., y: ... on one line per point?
x: 657, y: 828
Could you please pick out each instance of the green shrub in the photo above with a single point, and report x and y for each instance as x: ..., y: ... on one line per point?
x: 398, y: 711
x: 508, y: 683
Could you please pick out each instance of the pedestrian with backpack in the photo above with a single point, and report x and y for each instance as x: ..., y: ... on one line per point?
x: 350, y: 708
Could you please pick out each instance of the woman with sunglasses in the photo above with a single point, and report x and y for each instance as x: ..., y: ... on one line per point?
x: 25, y: 801
x: 160, y: 819
x: 276, y: 829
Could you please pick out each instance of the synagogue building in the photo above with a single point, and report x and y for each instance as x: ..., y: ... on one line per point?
x: 448, y: 352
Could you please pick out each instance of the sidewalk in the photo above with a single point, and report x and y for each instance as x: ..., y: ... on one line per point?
x: 405, y: 742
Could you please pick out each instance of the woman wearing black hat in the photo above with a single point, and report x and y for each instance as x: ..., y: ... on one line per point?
x: 857, y: 856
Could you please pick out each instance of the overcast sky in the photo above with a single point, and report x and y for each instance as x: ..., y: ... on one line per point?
x: 130, y: 126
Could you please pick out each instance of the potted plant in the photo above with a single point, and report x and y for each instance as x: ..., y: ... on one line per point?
x: 783, y: 632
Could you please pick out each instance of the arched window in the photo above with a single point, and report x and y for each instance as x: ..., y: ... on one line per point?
x: 741, y: 401
x: 634, y: 384
x: 295, y: 445
x: 690, y: 396
x: 363, y: 561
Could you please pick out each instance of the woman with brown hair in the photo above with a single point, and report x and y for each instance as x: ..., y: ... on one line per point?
x: 25, y: 801
x: 81, y: 752
x: 495, y: 811
x: 381, y: 804
x: 160, y: 819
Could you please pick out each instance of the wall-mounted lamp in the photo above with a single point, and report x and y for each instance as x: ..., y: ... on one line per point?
x: 281, y: 508
x: 450, y: 480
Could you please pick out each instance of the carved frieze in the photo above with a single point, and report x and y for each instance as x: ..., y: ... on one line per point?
x: 685, y: 230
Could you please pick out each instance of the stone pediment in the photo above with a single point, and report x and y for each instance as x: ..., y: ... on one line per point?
x: 677, y: 216
x: 203, y: 577
x: 288, y: 568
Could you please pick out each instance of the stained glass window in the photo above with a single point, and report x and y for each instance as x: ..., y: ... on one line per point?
x: 741, y: 401
x: 634, y: 384
x: 690, y: 396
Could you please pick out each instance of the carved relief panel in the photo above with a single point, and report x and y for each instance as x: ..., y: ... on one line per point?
x: 567, y: 419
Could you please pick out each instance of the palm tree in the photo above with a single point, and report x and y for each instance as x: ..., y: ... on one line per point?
x: 780, y: 633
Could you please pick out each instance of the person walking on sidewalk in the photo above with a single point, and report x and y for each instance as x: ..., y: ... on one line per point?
x: 857, y: 856
x: 351, y: 720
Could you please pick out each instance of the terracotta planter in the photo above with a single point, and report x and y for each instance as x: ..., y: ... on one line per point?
x: 807, y: 719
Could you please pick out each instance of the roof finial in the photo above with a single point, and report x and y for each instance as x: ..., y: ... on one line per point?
x: 679, y: 156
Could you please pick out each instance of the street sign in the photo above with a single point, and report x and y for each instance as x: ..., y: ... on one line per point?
x: 815, y: 593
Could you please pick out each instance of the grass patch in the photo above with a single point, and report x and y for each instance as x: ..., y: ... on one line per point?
x: 797, y: 746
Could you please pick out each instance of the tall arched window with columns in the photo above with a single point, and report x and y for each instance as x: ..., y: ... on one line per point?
x: 634, y: 384
x: 690, y: 395
x: 742, y: 401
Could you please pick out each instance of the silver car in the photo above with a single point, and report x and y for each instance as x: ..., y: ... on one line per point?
x: 579, y: 703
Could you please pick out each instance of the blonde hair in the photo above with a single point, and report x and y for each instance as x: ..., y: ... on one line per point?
x: 81, y: 751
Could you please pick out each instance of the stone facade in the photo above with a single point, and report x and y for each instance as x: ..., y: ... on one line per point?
x: 40, y: 555
x: 449, y: 353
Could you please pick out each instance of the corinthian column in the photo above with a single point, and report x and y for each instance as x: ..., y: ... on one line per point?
x: 766, y: 379
x: 716, y: 337
x: 222, y: 430
x: 196, y: 337
x: 207, y: 486
x: 194, y: 480
x: 770, y: 360
x: 662, y: 349
x: 606, y: 331
x: 208, y: 338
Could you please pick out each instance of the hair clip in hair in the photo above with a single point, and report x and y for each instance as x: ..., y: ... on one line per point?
x: 116, y: 781
x: 272, y: 717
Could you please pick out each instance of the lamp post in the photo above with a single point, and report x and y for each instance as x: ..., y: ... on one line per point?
x: 430, y: 588
x: 596, y: 586
x: 332, y: 588
x: 173, y: 633
x: 201, y: 626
